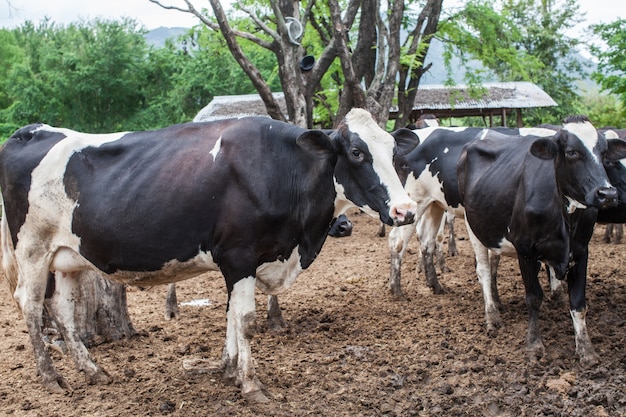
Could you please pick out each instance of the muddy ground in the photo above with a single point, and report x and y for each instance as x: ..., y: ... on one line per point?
x: 349, y: 350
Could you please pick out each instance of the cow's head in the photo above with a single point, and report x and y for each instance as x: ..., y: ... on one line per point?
x: 364, y: 175
x: 616, y: 167
x: 580, y: 153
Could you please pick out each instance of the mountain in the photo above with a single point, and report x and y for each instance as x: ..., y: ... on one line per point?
x: 157, y: 37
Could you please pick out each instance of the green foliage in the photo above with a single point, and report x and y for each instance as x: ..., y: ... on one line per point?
x: 101, y: 75
x: 520, y: 40
x: 611, y: 74
x: 605, y: 110
x: 86, y: 76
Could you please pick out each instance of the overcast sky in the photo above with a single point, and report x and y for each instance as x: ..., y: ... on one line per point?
x: 14, y: 12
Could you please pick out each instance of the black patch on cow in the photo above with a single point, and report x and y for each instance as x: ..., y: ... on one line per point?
x: 152, y: 197
x: 20, y: 155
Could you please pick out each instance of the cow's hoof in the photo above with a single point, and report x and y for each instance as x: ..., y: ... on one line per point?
x: 437, y: 289
x: 100, y: 377
x: 56, y: 384
x: 589, y: 361
x: 255, y: 397
x: 276, y: 324
x: 535, y: 351
x: 398, y: 296
x: 492, y: 331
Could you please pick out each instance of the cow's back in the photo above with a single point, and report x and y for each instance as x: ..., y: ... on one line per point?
x: 137, y: 201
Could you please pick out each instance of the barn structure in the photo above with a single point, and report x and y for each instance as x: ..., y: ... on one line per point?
x: 493, y: 100
x: 489, y: 101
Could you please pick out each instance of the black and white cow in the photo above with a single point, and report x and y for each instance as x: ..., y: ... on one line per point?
x: 537, y: 199
x: 615, y: 217
x: 429, y: 176
x: 252, y: 197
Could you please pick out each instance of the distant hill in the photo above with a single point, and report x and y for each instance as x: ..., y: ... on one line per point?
x: 157, y: 37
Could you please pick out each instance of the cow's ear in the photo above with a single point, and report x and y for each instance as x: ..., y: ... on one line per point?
x: 617, y: 149
x: 406, y: 140
x: 316, y: 141
x: 544, y: 148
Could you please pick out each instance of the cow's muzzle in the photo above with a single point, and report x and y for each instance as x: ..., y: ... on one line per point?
x: 606, y: 197
x: 403, y: 213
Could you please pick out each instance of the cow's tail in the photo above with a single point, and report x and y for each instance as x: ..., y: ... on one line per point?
x: 9, y: 262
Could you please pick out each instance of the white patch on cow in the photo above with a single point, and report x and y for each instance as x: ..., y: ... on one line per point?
x: 483, y: 134
x: 580, y: 325
x: 446, y: 150
x: 216, y: 148
x: 505, y: 247
x: 49, y: 206
x: 611, y: 134
x: 536, y: 131
x: 574, y: 205
x: 424, y: 189
x: 241, y: 303
x: 587, y: 135
x: 381, y: 145
x: 278, y: 276
x: 425, y: 132
x: 66, y: 260
x: 172, y: 271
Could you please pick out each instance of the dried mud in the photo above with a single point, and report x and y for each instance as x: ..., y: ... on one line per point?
x: 348, y: 349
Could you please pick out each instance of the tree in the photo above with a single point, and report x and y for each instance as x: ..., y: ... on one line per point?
x: 521, y: 40
x: 85, y: 76
x: 611, y: 73
x: 367, y: 77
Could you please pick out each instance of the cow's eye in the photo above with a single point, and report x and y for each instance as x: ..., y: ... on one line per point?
x: 572, y: 154
x: 357, y: 154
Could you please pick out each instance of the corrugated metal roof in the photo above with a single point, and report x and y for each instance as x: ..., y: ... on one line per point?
x: 509, y: 95
x: 224, y: 107
x: 431, y: 98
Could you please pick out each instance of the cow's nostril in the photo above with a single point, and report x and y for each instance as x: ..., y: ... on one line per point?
x: 607, y: 196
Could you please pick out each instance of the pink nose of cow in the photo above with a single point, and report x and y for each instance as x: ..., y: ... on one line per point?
x: 403, y: 213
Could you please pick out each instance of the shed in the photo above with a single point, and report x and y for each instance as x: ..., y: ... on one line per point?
x: 499, y: 99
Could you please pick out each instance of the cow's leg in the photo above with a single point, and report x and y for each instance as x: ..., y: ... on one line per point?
x: 452, y: 250
x: 275, y: 320
x: 619, y: 232
x: 558, y: 293
x: 608, y: 232
x: 66, y: 290
x: 441, y: 259
x: 171, y: 303
x: 428, y: 228
x: 29, y: 294
x: 494, y: 262
x: 483, y: 271
x: 381, y: 230
x: 399, y: 238
x: 534, y: 298
x: 240, y: 328
x: 577, y: 282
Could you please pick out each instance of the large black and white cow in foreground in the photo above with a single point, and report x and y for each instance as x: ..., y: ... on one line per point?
x: 251, y: 197
x: 537, y: 199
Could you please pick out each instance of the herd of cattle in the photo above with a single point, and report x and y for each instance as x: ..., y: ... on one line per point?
x: 256, y: 198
